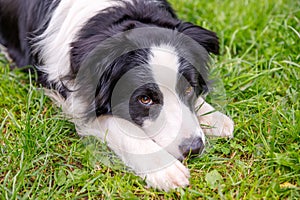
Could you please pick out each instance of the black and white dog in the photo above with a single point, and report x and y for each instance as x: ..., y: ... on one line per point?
x: 126, y: 71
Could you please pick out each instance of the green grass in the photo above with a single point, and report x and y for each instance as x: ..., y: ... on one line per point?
x: 41, y: 157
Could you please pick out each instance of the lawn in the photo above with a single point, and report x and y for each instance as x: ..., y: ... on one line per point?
x: 257, y: 83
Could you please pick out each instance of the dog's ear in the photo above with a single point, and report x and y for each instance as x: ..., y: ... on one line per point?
x: 204, y: 37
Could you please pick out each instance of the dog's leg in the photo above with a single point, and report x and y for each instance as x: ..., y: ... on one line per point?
x: 213, y: 122
x: 159, y: 168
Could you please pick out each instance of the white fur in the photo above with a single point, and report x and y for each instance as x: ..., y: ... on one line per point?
x: 164, y: 64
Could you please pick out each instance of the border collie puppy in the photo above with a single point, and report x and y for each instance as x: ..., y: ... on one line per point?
x: 126, y: 71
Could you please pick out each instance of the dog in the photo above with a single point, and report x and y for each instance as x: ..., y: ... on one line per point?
x: 126, y: 71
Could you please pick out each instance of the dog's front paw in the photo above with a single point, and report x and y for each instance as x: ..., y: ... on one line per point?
x: 171, y: 177
x: 217, y: 124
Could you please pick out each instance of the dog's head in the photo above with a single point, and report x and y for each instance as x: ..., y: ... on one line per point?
x: 150, y: 75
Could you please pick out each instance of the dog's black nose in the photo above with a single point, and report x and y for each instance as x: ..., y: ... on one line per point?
x: 191, y: 146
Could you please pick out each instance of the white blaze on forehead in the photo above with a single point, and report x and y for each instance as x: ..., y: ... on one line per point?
x: 176, y: 122
x: 164, y: 63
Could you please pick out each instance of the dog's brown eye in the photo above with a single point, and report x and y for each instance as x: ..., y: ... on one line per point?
x: 145, y: 100
x: 189, y: 90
